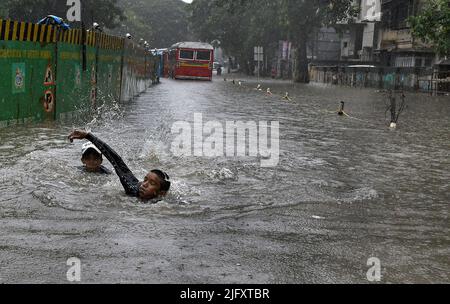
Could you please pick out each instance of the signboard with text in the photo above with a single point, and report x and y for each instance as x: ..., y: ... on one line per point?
x: 259, y: 53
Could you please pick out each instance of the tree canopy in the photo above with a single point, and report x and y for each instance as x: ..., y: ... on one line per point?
x: 240, y: 24
x: 432, y: 25
x: 235, y: 25
x: 104, y: 12
x: 160, y: 22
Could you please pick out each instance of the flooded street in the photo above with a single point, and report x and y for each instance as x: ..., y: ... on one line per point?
x: 345, y: 190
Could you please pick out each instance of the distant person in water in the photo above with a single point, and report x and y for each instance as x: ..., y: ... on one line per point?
x: 155, y: 185
x: 341, y: 109
x: 92, y: 159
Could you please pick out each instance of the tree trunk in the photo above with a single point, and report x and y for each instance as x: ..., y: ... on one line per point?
x: 301, y: 71
x: 247, y: 66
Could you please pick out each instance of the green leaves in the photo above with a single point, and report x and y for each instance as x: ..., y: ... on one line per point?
x: 160, y: 22
x: 240, y: 25
x: 104, y: 12
x: 264, y: 19
x: 432, y: 25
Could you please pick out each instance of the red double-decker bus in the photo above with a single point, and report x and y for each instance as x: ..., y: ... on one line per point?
x: 191, y: 60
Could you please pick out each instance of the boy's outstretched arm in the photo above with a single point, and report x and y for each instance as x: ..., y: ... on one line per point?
x: 129, y: 182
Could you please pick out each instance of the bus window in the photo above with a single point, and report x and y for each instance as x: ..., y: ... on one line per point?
x: 203, y: 55
x: 184, y: 54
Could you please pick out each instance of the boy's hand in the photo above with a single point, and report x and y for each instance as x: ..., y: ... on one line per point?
x: 77, y: 134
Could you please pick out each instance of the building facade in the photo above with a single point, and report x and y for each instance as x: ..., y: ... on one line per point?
x: 368, y: 23
x: 380, y: 35
x: 396, y: 46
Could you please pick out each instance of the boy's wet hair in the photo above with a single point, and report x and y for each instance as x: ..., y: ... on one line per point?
x: 163, y: 179
x: 90, y: 152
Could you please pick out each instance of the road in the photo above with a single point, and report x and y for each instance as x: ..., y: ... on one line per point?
x: 345, y: 189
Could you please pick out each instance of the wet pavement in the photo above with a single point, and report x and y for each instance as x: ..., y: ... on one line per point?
x: 345, y: 190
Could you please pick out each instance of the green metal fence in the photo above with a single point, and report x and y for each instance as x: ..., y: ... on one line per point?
x: 47, y: 73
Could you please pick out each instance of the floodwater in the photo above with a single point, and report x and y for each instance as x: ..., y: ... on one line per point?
x: 345, y: 190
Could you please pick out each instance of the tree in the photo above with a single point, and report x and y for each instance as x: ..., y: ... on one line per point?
x: 160, y: 22
x: 238, y: 25
x: 302, y: 17
x: 432, y: 25
x: 241, y: 23
x: 104, y: 12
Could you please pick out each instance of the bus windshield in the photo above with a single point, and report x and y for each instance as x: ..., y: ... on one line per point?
x: 203, y: 55
x: 185, y: 54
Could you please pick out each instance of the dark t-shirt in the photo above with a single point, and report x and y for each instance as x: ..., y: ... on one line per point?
x: 129, y: 182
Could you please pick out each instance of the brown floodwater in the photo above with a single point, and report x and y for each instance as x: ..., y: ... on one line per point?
x: 345, y: 189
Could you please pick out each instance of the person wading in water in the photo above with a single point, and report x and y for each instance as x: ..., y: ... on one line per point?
x: 156, y: 183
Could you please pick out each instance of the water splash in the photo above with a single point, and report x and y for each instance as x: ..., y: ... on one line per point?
x: 358, y: 195
x: 222, y: 175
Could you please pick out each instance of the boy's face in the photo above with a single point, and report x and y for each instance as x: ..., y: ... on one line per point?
x: 150, y: 187
x: 92, y: 162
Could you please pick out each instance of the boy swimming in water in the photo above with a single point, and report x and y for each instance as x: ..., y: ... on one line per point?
x: 92, y: 159
x: 156, y: 183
